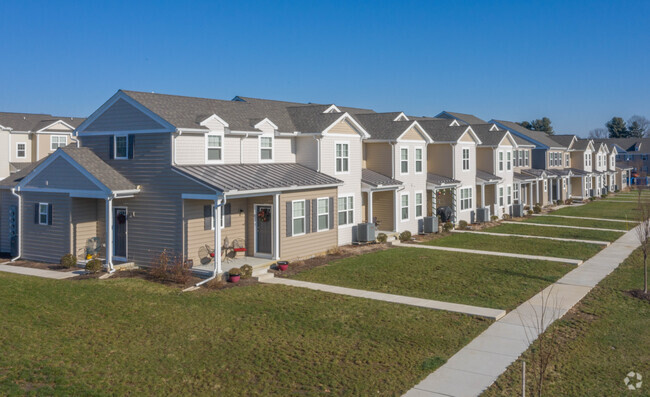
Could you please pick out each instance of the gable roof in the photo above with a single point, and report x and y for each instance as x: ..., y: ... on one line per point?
x: 29, y: 122
x: 382, y: 126
x: 375, y: 179
x: 490, y: 137
x: 565, y: 140
x: 464, y: 117
x: 440, y: 131
x: 539, y: 137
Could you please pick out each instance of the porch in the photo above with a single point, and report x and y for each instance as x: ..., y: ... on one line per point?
x: 259, y: 264
x: 487, y: 192
x: 442, y: 193
x: 378, y: 201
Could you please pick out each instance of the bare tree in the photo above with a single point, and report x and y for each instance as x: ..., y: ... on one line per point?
x: 643, y: 234
x: 598, y: 133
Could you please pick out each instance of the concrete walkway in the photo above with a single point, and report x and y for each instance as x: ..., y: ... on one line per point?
x: 574, y: 240
x: 493, y: 253
x: 494, y: 314
x: 29, y: 271
x: 584, y: 217
x: 476, y: 366
x: 563, y: 226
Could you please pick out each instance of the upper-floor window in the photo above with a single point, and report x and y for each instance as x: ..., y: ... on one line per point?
x: 515, y: 192
x: 57, y: 141
x: 500, y: 161
x: 418, y: 160
x: 21, y: 150
x: 266, y: 148
x: 298, y: 217
x: 527, y: 158
x: 508, y: 161
x: 404, y: 201
x: 342, y: 157
x: 214, y: 148
x: 404, y: 161
x: 121, y: 147
x: 567, y: 160
x: 465, y: 159
x: 346, y: 210
x: 515, y: 158
x: 465, y: 198
x: 612, y: 162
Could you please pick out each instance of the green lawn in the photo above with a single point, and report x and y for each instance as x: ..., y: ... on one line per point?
x: 602, y: 339
x: 550, y: 220
x: 518, y: 245
x: 531, y: 230
x: 481, y: 280
x: 133, y: 337
x: 601, y: 209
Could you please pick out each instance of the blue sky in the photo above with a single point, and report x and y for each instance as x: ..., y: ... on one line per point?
x: 579, y: 63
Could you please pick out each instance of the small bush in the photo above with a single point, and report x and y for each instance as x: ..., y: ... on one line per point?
x: 526, y: 207
x: 568, y: 201
x: 216, y: 283
x: 405, y: 236
x: 592, y: 198
x: 494, y: 218
x: 246, y: 271
x: 447, y: 226
x: 558, y: 202
x: 169, y: 267
x: 382, y: 238
x: 68, y: 260
x: 537, y: 209
x: 530, y: 212
x: 603, y: 196
x: 506, y: 217
x: 335, y: 251
x: 235, y: 271
x: 462, y: 225
x: 94, y: 266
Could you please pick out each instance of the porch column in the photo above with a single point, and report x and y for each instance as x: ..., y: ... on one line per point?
x: 109, y: 234
x: 434, y: 202
x: 276, y: 225
x: 537, y: 182
x: 370, y: 219
x: 217, y: 237
x: 482, y: 195
x: 559, y: 188
x: 396, y: 209
x: 496, y: 199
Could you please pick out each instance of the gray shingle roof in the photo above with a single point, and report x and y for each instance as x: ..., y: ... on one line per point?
x: 487, y: 137
x: 463, y: 117
x: 581, y: 144
x: 483, y: 177
x: 521, y: 142
x: 536, y: 172
x: 247, y: 177
x: 381, y: 125
x: 564, y: 140
x: 628, y: 144
x: 440, y: 180
x: 538, y: 136
x: 15, y: 167
x: 440, y: 131
x: 375, y: 179
x: 15, y: 178
x: 106, y: 174
x: 579, y: 172
x: 34, y: 121
x: 522, y: 177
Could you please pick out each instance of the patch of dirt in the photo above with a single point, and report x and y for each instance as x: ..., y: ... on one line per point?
x: 218, y: 284
x: 41, y: 265
x: 639, y: 294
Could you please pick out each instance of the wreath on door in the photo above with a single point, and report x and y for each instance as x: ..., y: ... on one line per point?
x: 264, y: 214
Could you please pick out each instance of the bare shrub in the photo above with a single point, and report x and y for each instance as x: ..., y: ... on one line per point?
x: 170, y: 267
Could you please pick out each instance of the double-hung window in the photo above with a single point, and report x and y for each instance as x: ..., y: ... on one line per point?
x: 465, y: 198
x: 121, y: 147
x: 323, y: 209
x: 567, y: 160
x: 500, y: 161
x: 57, y: 141
x: 342, y: 157
x: 404, y: 161
x: 21, y: 150
x: 501, y: 196
x: 404, y: 205
x: 418, y: 160
x: 526, y: 157
x: 214, y: 148
x: 418, y: 205
x: 465, y: 159
x: 545, y: 185
x: 509, y: 195
x: 346, y: 210
x: 266, y: 148
x: 515, y: 192
x: 508, y: 161
x: 515, y: 158
x: 298, y: 217
x: 563, y: 183
x: 43, y: 213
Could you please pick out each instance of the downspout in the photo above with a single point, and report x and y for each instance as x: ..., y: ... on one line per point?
x: 217, y: 240
x: 317, y: 153
x: 19, y: 224
x: 392, y: 159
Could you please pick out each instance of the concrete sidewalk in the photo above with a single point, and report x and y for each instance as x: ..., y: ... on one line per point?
x: 476, y: 366
x: 29, y: 271
x: 573, y: 240
x: 584, y: 217
x: 494, y: 314
x: 563, y: 226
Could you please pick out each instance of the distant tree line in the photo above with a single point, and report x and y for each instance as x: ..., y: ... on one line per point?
x: 543, y: 124
x: 635, y: 127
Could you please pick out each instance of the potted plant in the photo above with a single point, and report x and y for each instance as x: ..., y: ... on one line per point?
x: 283, y: 265
x: 234, y: 275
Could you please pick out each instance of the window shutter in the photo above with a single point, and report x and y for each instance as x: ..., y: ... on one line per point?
x: 111, y: 147
x: 36, y: 214
x: 314, y: 217
x: 49, y: 214
x: 207, y: 217
x: 131, y: 140
x: 226, y: 215
x: 307, y: 216
x: 289, y: 220
x: 332, y: 213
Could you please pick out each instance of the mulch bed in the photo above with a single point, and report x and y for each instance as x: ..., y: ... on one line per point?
x: 41, y: 265
x: 639, y: 294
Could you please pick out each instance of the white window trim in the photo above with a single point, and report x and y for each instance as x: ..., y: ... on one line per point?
x: 336, y: 158
x: 318, y: 214
x: 501, y: 196
x: 401, y: 161
x: 462, y: 159
x: 206, y: 148
x: 293, y: 218
x: 401, y: 207
x: 527, y: 158
x: 354, y: 209
x: 25, y: 150
x: 415, y: 204
x: 545, y: 185
x: 58, y: 137
x: 47, y: 213
x: 115, y: 156
x: 471, y: 198
x: 509, y: 195
x: 259, y: 144
x: 221, y: 224
x: 508, y: 161
x: 421, y: 161
x: 500, y: 160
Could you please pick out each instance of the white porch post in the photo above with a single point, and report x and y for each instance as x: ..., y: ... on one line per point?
x: 276, y: 226
x: 434, y: 202
x: 537, y: 182
x: 370, y: 218
x: 559, y: 188
x: 217, y: 237
x: 483, y: 195
x: 109, y: 233
x: 396, y: 209
x: 496, y: 199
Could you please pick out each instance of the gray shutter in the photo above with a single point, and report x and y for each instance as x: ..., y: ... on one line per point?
x: 289, y: 221
x: 314, y: 218
x: 131, y: 141
x: 111, y: 147
x: 207, y: 217
x: 49, y: 214
x: 36, y: 215
x: 332, y: 213
x: 226, y: 215
x: 307, y: 216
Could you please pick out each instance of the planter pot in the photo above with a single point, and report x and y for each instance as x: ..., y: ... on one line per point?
x: 234, y: 279
x: 283, y: 265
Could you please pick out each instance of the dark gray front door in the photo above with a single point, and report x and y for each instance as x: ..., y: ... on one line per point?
x: 263, y: 229
x: 119, y: 232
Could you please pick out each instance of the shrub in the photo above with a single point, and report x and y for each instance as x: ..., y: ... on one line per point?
x: 592, y: 198
x: 94, y: 266
x: 246, y: 271
x: 447, y: 226
x: 603, y: 196
x: 526, y: 207
x: 68, y: 260
x: 530, y: 212
x: 568, y: 201
x: 335, y: 251
x: 494, y: 218
x: 462, y: 225
x: 169, y: 267
x: 234, y: 272
x: 537, y: 209
x: 382, y: 238
x: 180, y: 271
x: 505, y: 217
x: 405, y: 236
x: 558, y: 202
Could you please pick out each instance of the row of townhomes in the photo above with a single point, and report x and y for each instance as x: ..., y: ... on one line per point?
x: 277, y: 180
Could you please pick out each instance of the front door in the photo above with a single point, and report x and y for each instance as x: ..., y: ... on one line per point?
x: 263, y: 230
x: 119, y: 232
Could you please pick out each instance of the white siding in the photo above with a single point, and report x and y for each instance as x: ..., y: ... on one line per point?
x: 307, y: 152
x: 467, y: 178
x: 413, y: 183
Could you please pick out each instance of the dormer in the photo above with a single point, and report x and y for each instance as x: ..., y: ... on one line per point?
x: 332, y: 109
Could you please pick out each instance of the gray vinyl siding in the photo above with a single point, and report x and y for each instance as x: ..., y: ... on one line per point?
x: 155, y: 219
x: 62, y: 175
x: 6, y: 201
x: 538, y: 158
x: 46, y: 243
x: 121, y: 116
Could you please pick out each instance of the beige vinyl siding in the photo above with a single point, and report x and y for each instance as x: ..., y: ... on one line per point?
x: 59, y: 127
x: 382, y: 209
x: 378, y: 157
x: 6, y: 201
x: 312, y: 243
x: 101, y: 223
x: 46, y: 243
x: 27, y: 140
x: 84, y: 224
x: 518, y: 168
x: 60, y: 174
x: 45, y: 144
x: 122, y: 116
x: 485, y: 159
x: 155, y: 214
x: 307, y: 152
x: 440, y: 159
x: 466, y: 137
x: 344, y: 127
x: 364, y: 207
x: 231, y: 149
x: 250, y: 150
x: 413, y: 134
x: 284, y: 150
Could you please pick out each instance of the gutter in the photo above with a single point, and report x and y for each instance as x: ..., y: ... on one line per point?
x: 316, y: 137
x: 18, y: 224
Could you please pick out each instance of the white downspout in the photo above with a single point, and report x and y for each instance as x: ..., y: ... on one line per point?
x: 217, y: 241
x: 317, y: 153
x: 276, y: 226
x: 392, y: 159
x: 19, y: 224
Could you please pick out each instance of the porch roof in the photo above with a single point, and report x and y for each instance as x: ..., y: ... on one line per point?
x: 561, y: 172
x: 523, y: 177
x: 483, y: 177
x: 537, y: 172
x: 578, y: 172
x: 237, y: 178
x: 375, y: 179
x: 441, y: 181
